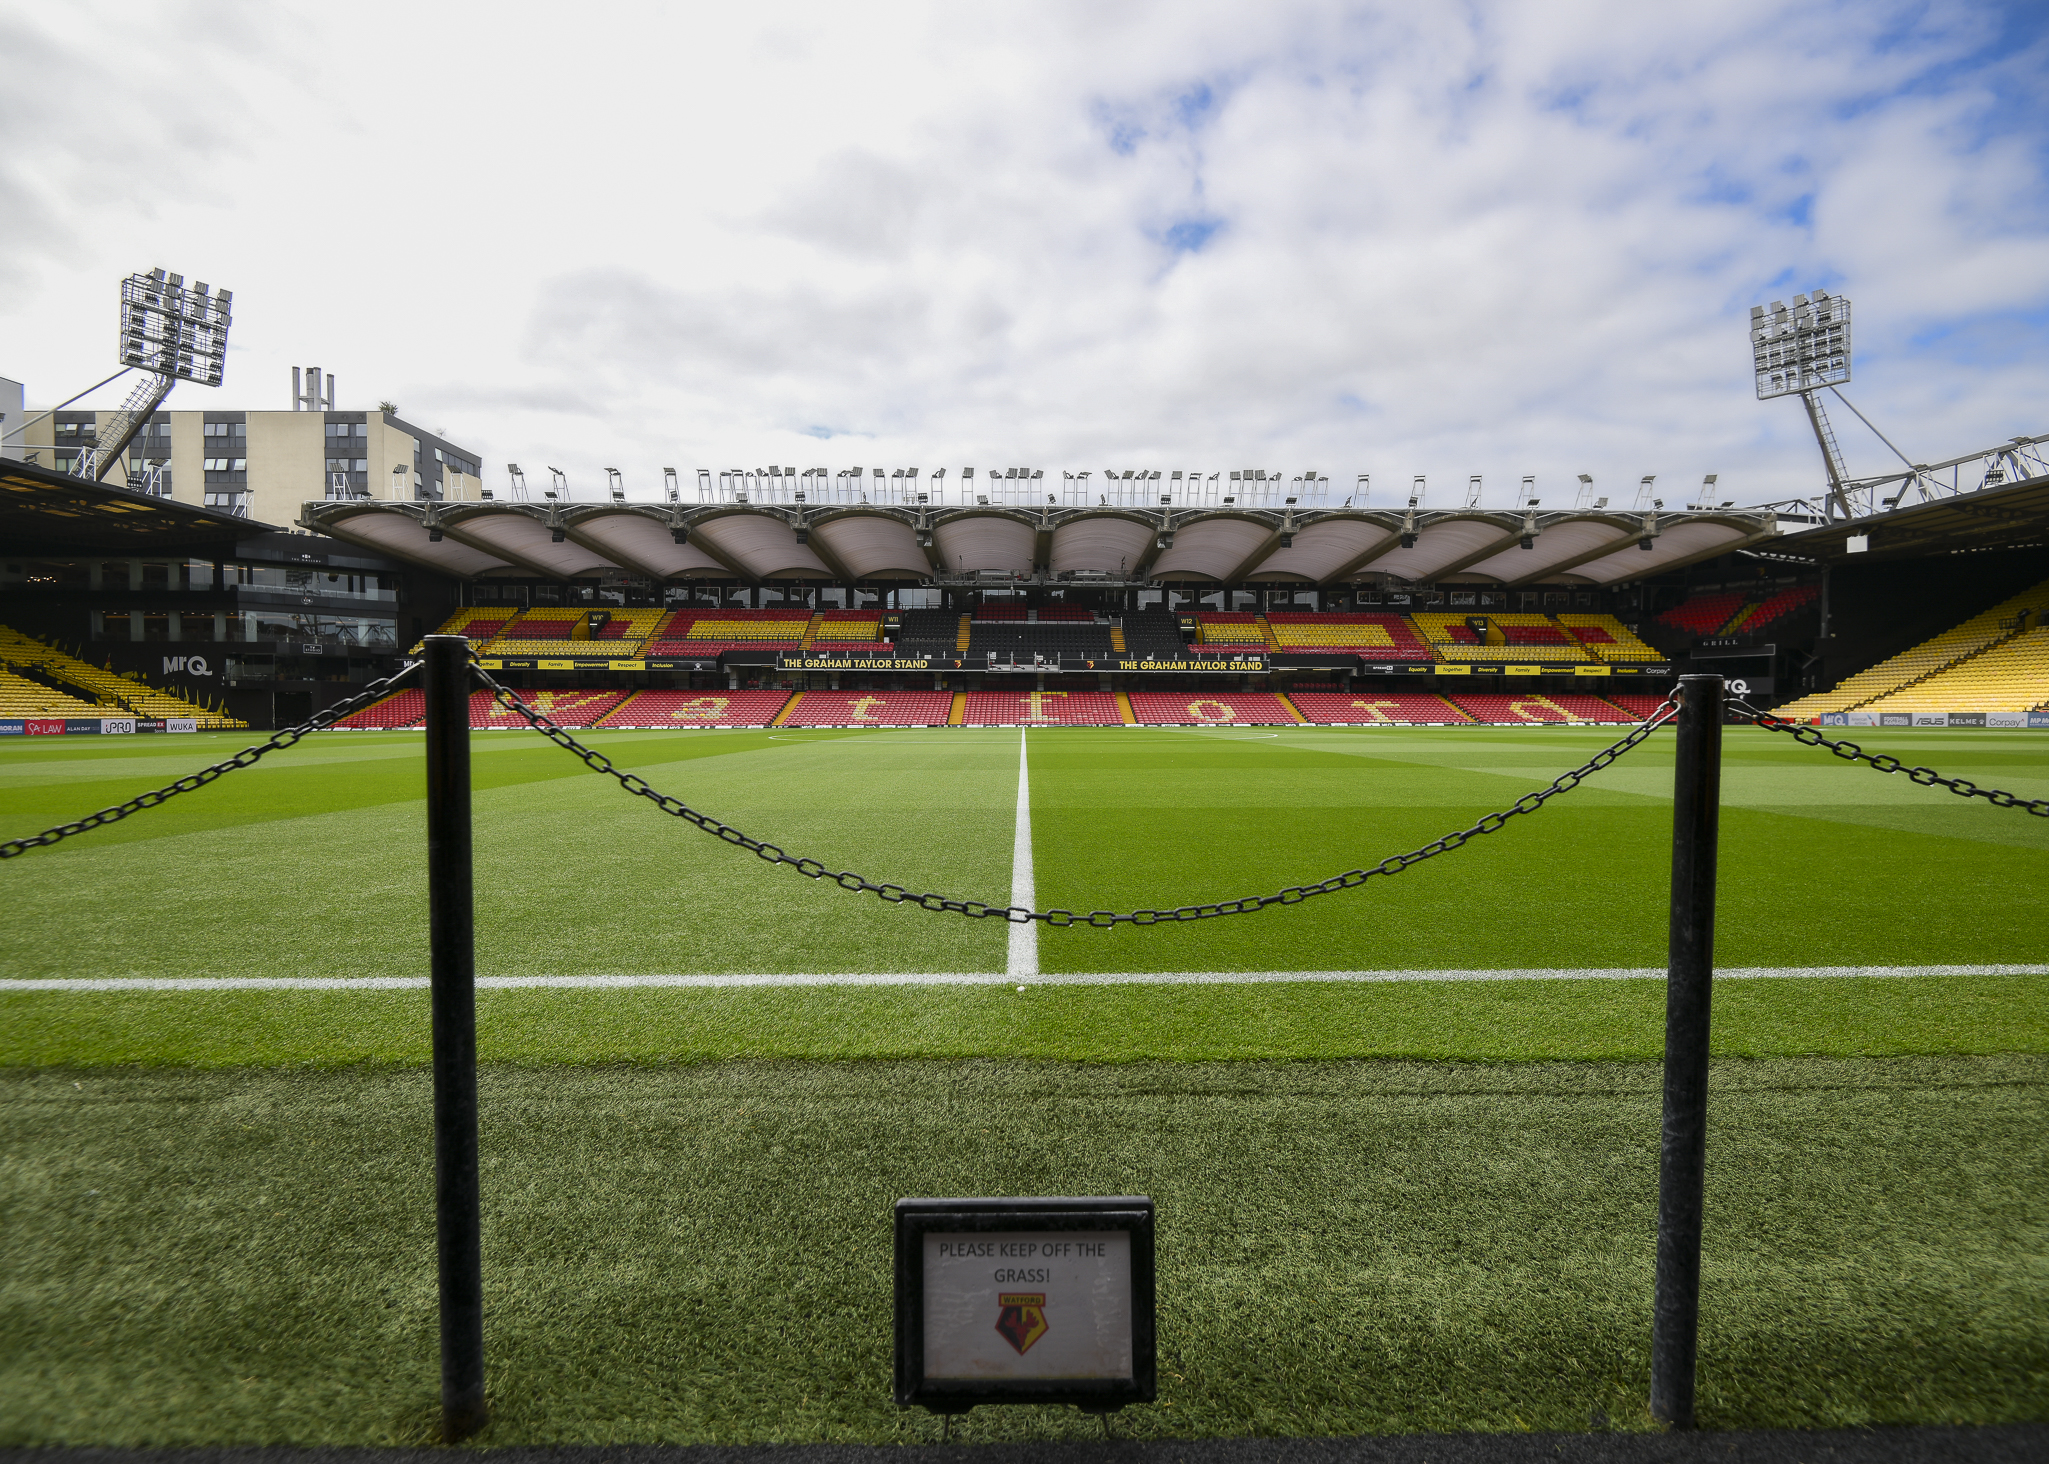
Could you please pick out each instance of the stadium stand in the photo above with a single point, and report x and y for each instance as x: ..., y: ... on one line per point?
x: 21, y: 697
x: 1348, y: 708
x: 1772, y: 607
x: 1238, y: 632
x: 400, y: 709
x: 116, y: 695
x: 841, y: 629
x: 1052, y: 640
x: 2007, y: 621
x: 869, y: 709
x: 1223, y: 708
x: 2012, y: 676
x: 563, y: 633
x: 478, y: 622
x: 1377, y: 637
x: 697, y: 709
x: 1702, y: 614
x: 707, y: 633
x: 1153, y: 633
x: 1525, y: 637
x: 928, y: 633
x: 1065, y: 612
x: 1002, y: 612
x: 565, y: 708
x: 1638, y: 706
x: 1511, y: 708
x: 1607, y: 639
x: 1041, y: 708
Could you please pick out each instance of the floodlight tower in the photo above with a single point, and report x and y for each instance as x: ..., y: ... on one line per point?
x: 172, y: 332
x: 1799, y: 352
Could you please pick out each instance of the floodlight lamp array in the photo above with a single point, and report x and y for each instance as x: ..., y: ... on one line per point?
x: 1802, y: 347
x: 169, y: 328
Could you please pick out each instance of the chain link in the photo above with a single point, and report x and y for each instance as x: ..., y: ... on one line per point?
x: 1101, y: 919
x: 247, y: 757
x: 1884, y: 763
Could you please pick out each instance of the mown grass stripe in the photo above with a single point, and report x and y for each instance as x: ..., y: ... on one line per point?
x: 972, y: 978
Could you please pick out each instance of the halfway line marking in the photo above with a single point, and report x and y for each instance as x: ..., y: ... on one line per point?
x: 1024, y: 938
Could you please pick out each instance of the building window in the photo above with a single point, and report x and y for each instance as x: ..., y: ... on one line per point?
x: 227, y: 465
x: 227, y: 429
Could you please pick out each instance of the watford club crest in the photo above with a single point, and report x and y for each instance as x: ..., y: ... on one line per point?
x: 1023, y: 1319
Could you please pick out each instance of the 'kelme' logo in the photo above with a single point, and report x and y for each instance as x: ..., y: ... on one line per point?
x: 1023, y: 1320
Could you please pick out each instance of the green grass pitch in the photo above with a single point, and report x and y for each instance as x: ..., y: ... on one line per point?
x: 1385, y: 1206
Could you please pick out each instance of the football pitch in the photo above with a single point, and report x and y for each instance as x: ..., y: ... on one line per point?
x: 1403, y: 1138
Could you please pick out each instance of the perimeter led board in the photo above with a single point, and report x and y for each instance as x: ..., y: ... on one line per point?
x: 1801, y: 348
x: 1039, y: 1300
x: 171, y: 329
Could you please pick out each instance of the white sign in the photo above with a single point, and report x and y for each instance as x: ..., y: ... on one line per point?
x: 181, y: 724
x: 1028, y: 1304
x: 2006, y: 719
x: 117, y: 724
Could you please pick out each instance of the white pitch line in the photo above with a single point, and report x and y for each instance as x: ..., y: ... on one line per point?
x: 977, y: 978
x: 1024, y: 938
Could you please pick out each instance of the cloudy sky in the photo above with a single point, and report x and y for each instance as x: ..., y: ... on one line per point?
x: 1491, y: 238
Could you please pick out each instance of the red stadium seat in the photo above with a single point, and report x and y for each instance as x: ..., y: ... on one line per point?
x: 870, y: 709
x: 1514, y: 709
x: 565, y: 708
x: 400, y: 709
x: 698, y: 709
x: 1219, y: 708
x: 1337, y: 708
x: 1042, y: 708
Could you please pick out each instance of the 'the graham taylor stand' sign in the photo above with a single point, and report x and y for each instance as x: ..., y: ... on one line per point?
x: 1043, y: 1300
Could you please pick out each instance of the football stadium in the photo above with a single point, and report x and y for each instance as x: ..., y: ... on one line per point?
x: 1502, y: 946
x: 1402, y: 1137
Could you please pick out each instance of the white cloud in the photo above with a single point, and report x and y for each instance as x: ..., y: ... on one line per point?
x: 1504, y: 239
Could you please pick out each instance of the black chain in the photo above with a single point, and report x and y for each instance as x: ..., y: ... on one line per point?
x: 247, y: 757
x: 1884, y: 763
x: 1102, y: 919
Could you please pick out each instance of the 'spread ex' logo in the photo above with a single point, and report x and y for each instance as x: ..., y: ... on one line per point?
x: 1023, y: 1318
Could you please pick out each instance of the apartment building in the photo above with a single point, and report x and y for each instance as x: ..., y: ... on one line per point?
x: 264, y: 465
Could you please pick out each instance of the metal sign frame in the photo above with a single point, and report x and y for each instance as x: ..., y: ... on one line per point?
x: 916, y: 1218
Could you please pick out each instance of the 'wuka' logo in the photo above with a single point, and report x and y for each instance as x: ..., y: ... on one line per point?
x: 1023, y: 1320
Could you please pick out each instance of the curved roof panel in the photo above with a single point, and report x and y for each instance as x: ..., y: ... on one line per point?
x: 1210, y: 549
x: 764, y: 546
x: 874, y: 547
x: 1322, y: 549
x: 985, y: 541
x: 1681, y: 541
x: 1104, y: 544
x: 639, y: 542
x: 404, y: 535
x: 1438, y: 545
x: 1555, y: 545
x: 520, y: 537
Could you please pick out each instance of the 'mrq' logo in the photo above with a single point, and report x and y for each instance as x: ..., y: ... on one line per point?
x: 190, y: 665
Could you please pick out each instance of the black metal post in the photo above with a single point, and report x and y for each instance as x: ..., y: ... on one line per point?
x: 452, y: 963
x: 1682, y: 1152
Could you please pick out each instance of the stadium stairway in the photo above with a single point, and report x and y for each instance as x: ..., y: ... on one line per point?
x: 1983, y: 632
x: 115, y: 695
x: 958, y: 709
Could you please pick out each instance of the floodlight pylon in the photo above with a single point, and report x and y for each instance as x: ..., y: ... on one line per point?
x: 172, y: 333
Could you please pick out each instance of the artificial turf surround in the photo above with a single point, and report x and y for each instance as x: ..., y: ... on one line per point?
x: 1454, y: 1180
x: 700, y: 1253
